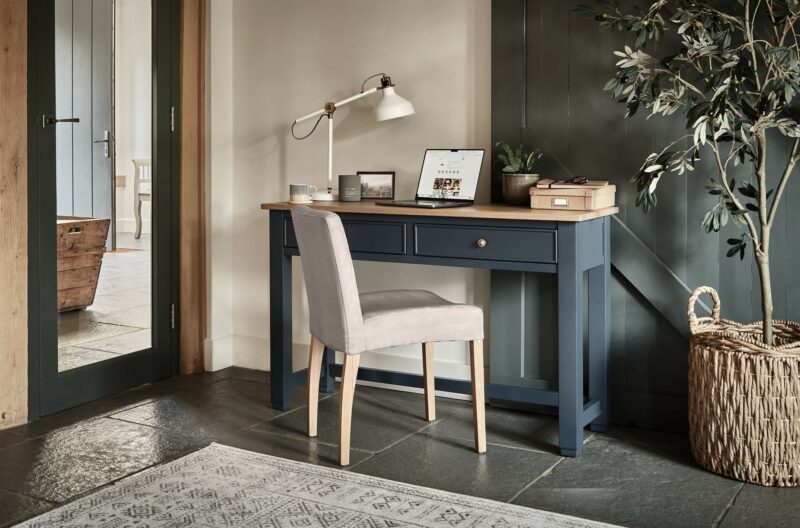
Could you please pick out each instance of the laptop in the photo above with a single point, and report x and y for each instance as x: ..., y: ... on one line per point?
x: 449, y: 178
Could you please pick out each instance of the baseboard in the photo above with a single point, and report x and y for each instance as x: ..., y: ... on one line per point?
x: 128, y: 225
x: 218, y: 353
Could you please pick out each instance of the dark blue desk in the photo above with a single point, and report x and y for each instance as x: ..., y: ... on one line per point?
x: 567, y: 243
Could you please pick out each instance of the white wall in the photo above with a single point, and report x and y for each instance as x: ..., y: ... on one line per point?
x: 219, y: 183
x: 288, y: 59
x: 132, y: 99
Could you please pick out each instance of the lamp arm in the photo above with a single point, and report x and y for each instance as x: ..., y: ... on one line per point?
x: 336, y: 105
x: 309, y: 116
x: 356, y: 97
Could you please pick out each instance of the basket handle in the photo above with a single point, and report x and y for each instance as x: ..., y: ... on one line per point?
x: 694, y: 321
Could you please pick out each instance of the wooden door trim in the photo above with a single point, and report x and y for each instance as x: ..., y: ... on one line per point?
x: 14, y: 213
x: 192, y: 195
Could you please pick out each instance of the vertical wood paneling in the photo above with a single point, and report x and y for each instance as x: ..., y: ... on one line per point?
x: 13, y: 213
x: 102, y: 45
x: 582, y: 131
x: 83, y: 96
x: 192, y: 219
x: 64, y: 132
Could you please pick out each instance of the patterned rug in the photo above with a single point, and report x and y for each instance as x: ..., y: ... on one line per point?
x: 225, y: 486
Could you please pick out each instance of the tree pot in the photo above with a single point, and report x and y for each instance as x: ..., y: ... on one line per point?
x: 517, y: 187
x: 744, y: 416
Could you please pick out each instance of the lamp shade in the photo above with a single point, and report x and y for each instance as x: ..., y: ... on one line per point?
x: 392, y: 106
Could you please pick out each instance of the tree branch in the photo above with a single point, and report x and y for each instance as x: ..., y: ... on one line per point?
x: 761, y: 172
x: 724, y: 180
x: 748, y: 30
x: 787, y: 172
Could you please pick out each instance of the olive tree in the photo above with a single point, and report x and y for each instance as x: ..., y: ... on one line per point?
x: 731, y: 68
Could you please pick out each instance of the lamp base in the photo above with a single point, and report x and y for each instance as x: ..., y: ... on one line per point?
x: 331, y: 196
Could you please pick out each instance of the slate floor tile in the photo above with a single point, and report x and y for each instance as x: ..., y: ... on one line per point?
x: 78, y: 333
x: 505, y: 427
x: 73, y: 357
x: 16, y: 508
x: 380, y: 418
x: 770, y: 499
x: 309, y: 450
x: 76, y: 459
x: 453, y: 465
x: 7, y: 438
x: 123, y: 344
x: 634, y: 484
x: 91, y: 410
x: 746, y: 518
x: 211, y: 410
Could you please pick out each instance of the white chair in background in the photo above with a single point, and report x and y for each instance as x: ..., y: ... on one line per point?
x: 142, y: 189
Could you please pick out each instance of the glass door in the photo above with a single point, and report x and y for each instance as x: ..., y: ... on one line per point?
x: 106, y: 165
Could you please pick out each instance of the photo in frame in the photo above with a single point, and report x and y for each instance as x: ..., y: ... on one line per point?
x: 377, y: 185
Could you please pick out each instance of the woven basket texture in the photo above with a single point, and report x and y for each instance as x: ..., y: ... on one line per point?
x: 744, y: 398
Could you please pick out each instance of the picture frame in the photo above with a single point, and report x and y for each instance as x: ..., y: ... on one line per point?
x: 377, y: 185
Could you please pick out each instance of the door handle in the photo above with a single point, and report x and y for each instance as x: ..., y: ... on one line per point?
x: 107, y: 140
x: 49, y: 120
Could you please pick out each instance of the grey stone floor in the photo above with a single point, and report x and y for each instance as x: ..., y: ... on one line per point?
x: 119, y: 321
x: 628, y: 477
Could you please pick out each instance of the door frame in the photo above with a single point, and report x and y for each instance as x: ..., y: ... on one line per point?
x: 124, y: 372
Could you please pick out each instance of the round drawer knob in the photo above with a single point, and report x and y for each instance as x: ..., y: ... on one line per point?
x: 481, y: 242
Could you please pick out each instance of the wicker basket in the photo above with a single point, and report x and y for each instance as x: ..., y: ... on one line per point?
x: 744, y: 398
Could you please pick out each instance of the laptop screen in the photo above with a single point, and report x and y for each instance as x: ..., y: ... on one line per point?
x: 450, y: 174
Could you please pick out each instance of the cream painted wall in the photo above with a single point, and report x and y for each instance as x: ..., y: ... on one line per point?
x: 291, y: 57
x: 219, y: 184
x: 132, y: 98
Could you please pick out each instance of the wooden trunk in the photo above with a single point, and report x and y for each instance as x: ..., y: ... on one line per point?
x: 80, y: 244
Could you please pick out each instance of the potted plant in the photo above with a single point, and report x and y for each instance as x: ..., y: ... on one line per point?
x: 518, y: 176
x: 733, y: 71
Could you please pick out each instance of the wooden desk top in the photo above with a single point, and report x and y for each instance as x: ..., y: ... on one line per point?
x: 492, y: 211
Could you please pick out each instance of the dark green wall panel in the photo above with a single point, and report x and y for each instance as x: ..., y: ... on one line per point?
x: 549, y: 65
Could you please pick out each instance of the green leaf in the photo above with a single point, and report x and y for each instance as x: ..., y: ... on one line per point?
x: 749, y: 190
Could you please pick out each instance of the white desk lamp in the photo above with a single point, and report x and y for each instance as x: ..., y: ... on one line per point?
x: 391, y: 106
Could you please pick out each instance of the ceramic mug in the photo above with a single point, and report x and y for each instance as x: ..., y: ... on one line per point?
x: 301, y: 192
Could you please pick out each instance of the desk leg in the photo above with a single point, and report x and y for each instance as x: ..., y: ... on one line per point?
x: 326, y: 380
x: 280, y: 315
x: 570, y: 342
x: 600, y: 330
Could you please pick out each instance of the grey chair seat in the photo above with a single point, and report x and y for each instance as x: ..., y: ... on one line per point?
x: 406, y: 317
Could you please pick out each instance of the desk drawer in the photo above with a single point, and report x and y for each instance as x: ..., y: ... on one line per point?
x: 486, y: 243
x: 365, y: 237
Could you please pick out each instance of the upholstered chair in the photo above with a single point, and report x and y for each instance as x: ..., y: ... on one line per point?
x: 353, y: 323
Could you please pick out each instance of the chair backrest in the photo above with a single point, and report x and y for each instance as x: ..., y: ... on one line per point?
x: 333, y: 303
x: 142, y: 176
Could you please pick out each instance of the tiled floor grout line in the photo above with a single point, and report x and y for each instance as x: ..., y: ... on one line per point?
x: 376, y: 453
x: 18, y: 494
x: 545, y: 473
x: 727, y: 507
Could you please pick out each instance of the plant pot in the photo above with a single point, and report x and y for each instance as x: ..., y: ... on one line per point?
x: 744, y: 398
x: 516, y: 188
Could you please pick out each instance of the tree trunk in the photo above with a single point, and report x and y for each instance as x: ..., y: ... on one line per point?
x: 766, y: 296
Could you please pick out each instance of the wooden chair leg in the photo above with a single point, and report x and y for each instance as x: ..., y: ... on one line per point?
x: 314, y: 368
x: 430, y: 391
x: 349, y: 373
x: 478, y: 402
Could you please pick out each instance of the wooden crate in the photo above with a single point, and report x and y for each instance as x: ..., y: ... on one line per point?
x: 80, y: 245
x: 590, y: 196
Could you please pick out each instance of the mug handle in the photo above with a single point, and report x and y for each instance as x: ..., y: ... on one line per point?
x: 312, y: 188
